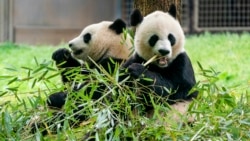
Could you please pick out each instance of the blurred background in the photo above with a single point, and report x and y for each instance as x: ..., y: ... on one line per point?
x: 57, y: 21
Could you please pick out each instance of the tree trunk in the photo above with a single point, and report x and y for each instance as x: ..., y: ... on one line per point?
x: 148, y: 6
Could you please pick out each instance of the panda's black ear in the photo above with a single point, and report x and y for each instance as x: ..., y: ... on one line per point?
x: 136, y: 17
x: 172, y: 10
x: 118, y: 25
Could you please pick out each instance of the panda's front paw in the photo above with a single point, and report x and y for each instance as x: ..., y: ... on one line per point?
x: 136, y: 69
x: 61, y: 55
x: 57, y: 100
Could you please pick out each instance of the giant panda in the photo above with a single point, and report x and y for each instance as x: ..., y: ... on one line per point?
x: 159, y: 37
x: 102, y: 44
x: 99, y: 43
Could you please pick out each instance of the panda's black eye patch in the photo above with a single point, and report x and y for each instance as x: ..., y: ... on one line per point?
x: 171, y: 39
x: 153, y: 39
x: 87, y: 38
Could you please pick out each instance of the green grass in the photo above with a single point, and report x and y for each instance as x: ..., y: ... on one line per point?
x: 15, y: 62
x: 226, y: 53
x: 222, y: 109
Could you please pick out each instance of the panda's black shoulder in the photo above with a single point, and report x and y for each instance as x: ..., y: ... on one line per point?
x: 182, y: 61
x: 181, y: 71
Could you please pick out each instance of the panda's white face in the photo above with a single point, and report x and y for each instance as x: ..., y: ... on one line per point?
x: 159, y: 34
x: 81, y: 44
x: 98, y: 41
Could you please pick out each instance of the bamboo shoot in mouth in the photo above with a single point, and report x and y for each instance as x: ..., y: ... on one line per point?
x: 150, y: 60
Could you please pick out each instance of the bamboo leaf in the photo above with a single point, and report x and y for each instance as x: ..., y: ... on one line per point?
x: 52, y: 76
x: 34, y: 83
x: 3, y: 93
x: 38, y: 69
x: 26, y: 68
x: 51, y: 68
x: 15, y: 89
x: 43, y: 75
x: 36, y: 61
x: 11, y: 69
x: 6, y: 76
x: 13, y: 80
x: 25, y: 79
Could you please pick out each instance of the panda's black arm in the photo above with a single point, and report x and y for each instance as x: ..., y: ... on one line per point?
x: 156, y: 82
x: 178, y: 76
x: 135, y: 69
x: 64, y: 59
x: 110, y: 63
x: 134, y: 59
x: 65, y: 62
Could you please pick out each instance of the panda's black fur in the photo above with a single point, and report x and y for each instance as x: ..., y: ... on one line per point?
x: 173, y: 81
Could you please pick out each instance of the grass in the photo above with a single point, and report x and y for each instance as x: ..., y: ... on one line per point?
x: 222, y: 109
x: 227, y: 53
x: 16, y: 60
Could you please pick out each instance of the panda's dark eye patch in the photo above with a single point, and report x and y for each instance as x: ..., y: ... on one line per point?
x: 87, y: 38
x: 153, y: 39
x: 171, y: 39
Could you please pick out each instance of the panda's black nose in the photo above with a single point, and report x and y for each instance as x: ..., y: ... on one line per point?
x: 163, y: 52
x: 70, y: 45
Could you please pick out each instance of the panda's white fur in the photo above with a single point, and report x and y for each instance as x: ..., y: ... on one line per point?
x: 104, y: 42
x: 162, y: 24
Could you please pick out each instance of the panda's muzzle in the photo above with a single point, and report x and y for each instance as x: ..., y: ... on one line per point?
x: 164, y: 52
x: 162, y: 59
x: 75, y: 51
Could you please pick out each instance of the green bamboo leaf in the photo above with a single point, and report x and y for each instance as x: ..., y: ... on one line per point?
x: 31, y: 102
x: 148, y: 79
x: 15, y: 89
x: 13, y: 80
x: 28, y: 75
x: 3, y: 93
x: 34, y: 83
x: 199, y: 64
x: 25, y: 79
x: 26, y: 68
x: 52, y: 76
x: 245, y: 121
x: 51, y: 68
x: 38, y: 69
x: 5, y: 76
x: 36, y: 61
x: 24, y: 105
x: 43, y: 75
x: 7, y: 122
x: 11, y: 69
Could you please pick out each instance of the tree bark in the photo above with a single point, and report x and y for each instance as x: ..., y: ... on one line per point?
x: 148, y: 6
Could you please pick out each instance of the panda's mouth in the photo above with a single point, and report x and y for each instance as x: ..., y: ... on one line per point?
x: 77, y: 52
x: 162, y: 61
